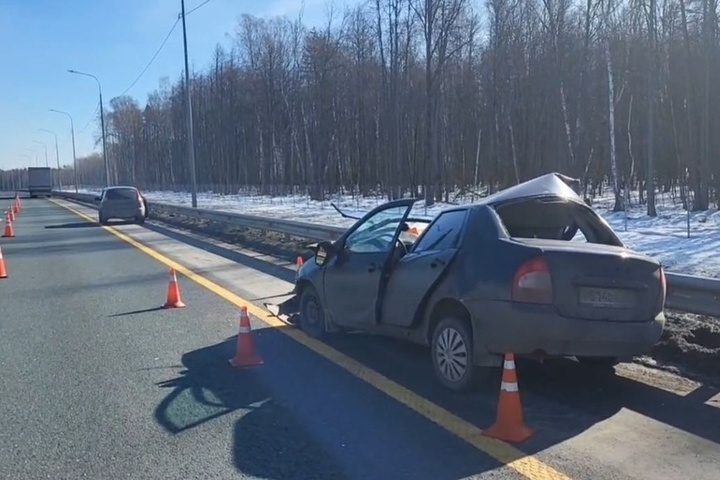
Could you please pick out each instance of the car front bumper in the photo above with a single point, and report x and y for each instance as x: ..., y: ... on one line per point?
x: 504, y: 327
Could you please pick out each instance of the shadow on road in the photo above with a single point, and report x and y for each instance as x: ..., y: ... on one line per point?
x: 269, y: 442
x: 300, y: 417
x: 118, y: 223
x: 136, y: 312
x: 561, y: 398
x: 569, y: 384
x: 74, y: 225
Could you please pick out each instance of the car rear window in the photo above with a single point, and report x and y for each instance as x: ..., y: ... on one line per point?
x: 121, y: 194
x: 555, y: 219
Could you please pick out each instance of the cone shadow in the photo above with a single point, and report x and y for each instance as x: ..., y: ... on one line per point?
x: 136, y: 312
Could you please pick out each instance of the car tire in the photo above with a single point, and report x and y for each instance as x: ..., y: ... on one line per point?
x: 140, y: 219
x: 312, y: 315
x: 102, y: 220
x: 452, y: 356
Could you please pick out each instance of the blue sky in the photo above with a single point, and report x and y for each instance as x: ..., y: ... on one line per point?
x: 113, y: 40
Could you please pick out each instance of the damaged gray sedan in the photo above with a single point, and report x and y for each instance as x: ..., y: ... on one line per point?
x: 530, y: 270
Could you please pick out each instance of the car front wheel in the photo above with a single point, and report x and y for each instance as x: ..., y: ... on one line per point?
x: 312, y: 315
x: 452, y: 356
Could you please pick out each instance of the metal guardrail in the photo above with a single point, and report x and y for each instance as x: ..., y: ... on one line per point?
x: 686, y: 293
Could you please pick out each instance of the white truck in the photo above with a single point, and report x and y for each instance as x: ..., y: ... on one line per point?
x: 39, y: 181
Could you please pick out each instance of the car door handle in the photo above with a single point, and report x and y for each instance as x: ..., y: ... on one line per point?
x: 372, y: 267
x: 436, y: 263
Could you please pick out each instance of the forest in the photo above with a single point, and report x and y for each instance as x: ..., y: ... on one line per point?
x: 432, y: 97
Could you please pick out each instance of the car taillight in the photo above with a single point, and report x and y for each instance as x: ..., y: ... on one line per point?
x: 532, y: 282
x: 663, y: 288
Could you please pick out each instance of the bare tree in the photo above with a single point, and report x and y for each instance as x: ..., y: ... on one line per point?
x: 419, y: 97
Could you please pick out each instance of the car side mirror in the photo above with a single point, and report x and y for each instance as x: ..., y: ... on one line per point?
x: 322, y: 253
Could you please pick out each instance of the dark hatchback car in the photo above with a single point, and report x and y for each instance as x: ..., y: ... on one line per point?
x: 530, y: 270
x: 122, y: 202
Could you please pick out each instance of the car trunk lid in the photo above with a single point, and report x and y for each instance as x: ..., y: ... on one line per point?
x: 593, y: 275
x: 600, y: 282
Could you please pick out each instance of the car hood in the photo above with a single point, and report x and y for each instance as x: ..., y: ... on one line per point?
x: 552, y: 184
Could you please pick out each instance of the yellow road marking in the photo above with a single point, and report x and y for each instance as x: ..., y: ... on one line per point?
x: 526, y: 465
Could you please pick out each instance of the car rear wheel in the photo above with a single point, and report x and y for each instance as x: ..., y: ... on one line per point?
x: 452, y: 356
x: 102, y: 219
x: 140, y: 219
x: 312, y: 316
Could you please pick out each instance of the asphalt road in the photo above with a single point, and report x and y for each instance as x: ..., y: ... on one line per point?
x: 97, y: 381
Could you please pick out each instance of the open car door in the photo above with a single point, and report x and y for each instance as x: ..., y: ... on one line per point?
x: 354, y: 275
x: 415, y: 274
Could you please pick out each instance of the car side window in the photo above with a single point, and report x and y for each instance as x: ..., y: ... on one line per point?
x: 375, y: 235
x: 443, y: 233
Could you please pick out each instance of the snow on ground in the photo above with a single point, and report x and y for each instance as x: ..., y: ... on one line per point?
x: 664, y: 237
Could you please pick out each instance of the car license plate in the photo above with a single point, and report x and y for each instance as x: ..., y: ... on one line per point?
x: 607, y: 297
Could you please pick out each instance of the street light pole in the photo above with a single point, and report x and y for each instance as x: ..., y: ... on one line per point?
x: 190, y: 140
x: 44, y: 145
x: 57, y: 156
x: 72, y: 134
x: 102, y: 124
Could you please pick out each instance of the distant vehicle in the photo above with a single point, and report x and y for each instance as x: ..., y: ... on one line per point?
x: 121, y: 202
x: 40, y: 181
x: 530, y: 270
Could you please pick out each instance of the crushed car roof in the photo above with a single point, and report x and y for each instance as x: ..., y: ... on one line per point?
x: 551, y: 184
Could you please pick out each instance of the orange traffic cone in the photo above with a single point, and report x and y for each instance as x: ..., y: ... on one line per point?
x: 9, y: 232
x: 245, y: 355
x: 173, y: 293
x: 3, y: 271
x: 11, y: 213
x: 509, y: 425
x: 299, y: 262
x: 17, y: 201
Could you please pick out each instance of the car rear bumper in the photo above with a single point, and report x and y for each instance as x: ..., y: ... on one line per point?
x: 110, y: 213
x: 505, y: 327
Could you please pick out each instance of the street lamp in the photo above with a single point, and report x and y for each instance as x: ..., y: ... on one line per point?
x: 190, y: 140
x: 102, y: 124
x: 57, y: 155
x: 43, y: 144
x: 72, y: 134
